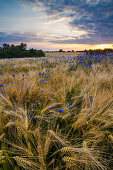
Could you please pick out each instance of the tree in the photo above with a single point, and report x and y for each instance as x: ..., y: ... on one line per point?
x: 60, y: 50
x: 19, y: 51
x: 6, y: 46
x: 23, y: 46
x: 40, y: 53
x: 32, y: 52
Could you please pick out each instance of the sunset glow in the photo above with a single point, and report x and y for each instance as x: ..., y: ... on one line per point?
x: 51, y: 25
x: 103, y: 46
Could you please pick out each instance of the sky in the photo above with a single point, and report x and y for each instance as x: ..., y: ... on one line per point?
x: 57, y: 24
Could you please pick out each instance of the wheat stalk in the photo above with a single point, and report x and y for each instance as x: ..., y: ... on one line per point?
x: 25, y: 163
x: 47, y: 145
x: 57, y: 137
x: 69, y: 159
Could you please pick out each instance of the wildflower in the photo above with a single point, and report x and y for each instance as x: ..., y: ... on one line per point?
x: 63, y: 136
x: 54, y: 85
x: 27, y: 87
x: 43, y: 81
x: 69, y: 105
x: 90, y: 99
x: 1, y: 85
x: 23, y: 75
x: 74, y: 119
x: 22, y: 100
x: 32, y: 118
x: 5, y: 85
x: 39, y: 73
x: 14, y: 75
x: 51, y: 108
x: 60, y: 110
x: 75, y: 114
x: 4, y: 93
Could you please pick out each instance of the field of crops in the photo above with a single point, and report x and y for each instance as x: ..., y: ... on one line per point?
x: 56, y: 112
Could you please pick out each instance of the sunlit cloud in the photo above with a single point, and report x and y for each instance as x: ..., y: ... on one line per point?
x: 57, y: 22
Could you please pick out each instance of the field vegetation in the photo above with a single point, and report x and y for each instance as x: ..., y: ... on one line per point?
x: 57, y: 112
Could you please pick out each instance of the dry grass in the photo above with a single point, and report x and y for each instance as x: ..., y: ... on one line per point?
x: 52, y: 117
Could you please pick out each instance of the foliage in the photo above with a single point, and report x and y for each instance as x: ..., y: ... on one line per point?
x: 19, y: 51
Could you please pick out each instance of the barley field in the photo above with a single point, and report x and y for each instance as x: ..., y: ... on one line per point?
x: 56, y: 112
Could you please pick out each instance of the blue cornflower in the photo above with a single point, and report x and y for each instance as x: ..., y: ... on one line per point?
x: 51, y: 107
x: 90, y: 99
x: 60, y: 110
x: 22, y: 74
x: 75, y: 113
x: 27, y: 87
x: 4, y: 93
x: 43, y: 81
x: 14, y: 75
x: 32, y: 118
x: 39, y: 73
x: 69, y: 105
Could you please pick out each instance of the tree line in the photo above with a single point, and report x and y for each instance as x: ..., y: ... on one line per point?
x: 19, y: 51
x: 92, y: 52
x: 99, y: 51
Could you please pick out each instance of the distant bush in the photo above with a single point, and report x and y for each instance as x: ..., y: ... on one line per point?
x: 19, y: 51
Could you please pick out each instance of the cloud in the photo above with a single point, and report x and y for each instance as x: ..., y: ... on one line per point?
x: 19, y: 37
x: 92, y: 16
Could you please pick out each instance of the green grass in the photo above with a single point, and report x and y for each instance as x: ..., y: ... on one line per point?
x: 63, y: 122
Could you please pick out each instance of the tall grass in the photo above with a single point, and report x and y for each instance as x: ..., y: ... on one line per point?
x: 55, y: 114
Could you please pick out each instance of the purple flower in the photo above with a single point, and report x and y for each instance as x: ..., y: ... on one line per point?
x: 69, y: 105
x: 75, y: 114
x: 51, y: 107
x: 39, y: 73
x: 63, y: 136
x: 90, y: 99
x: 3, y: 93
x: 60, y: 110
x: 32, y: 118
x: 27, y: 87
x: 43, y: 81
